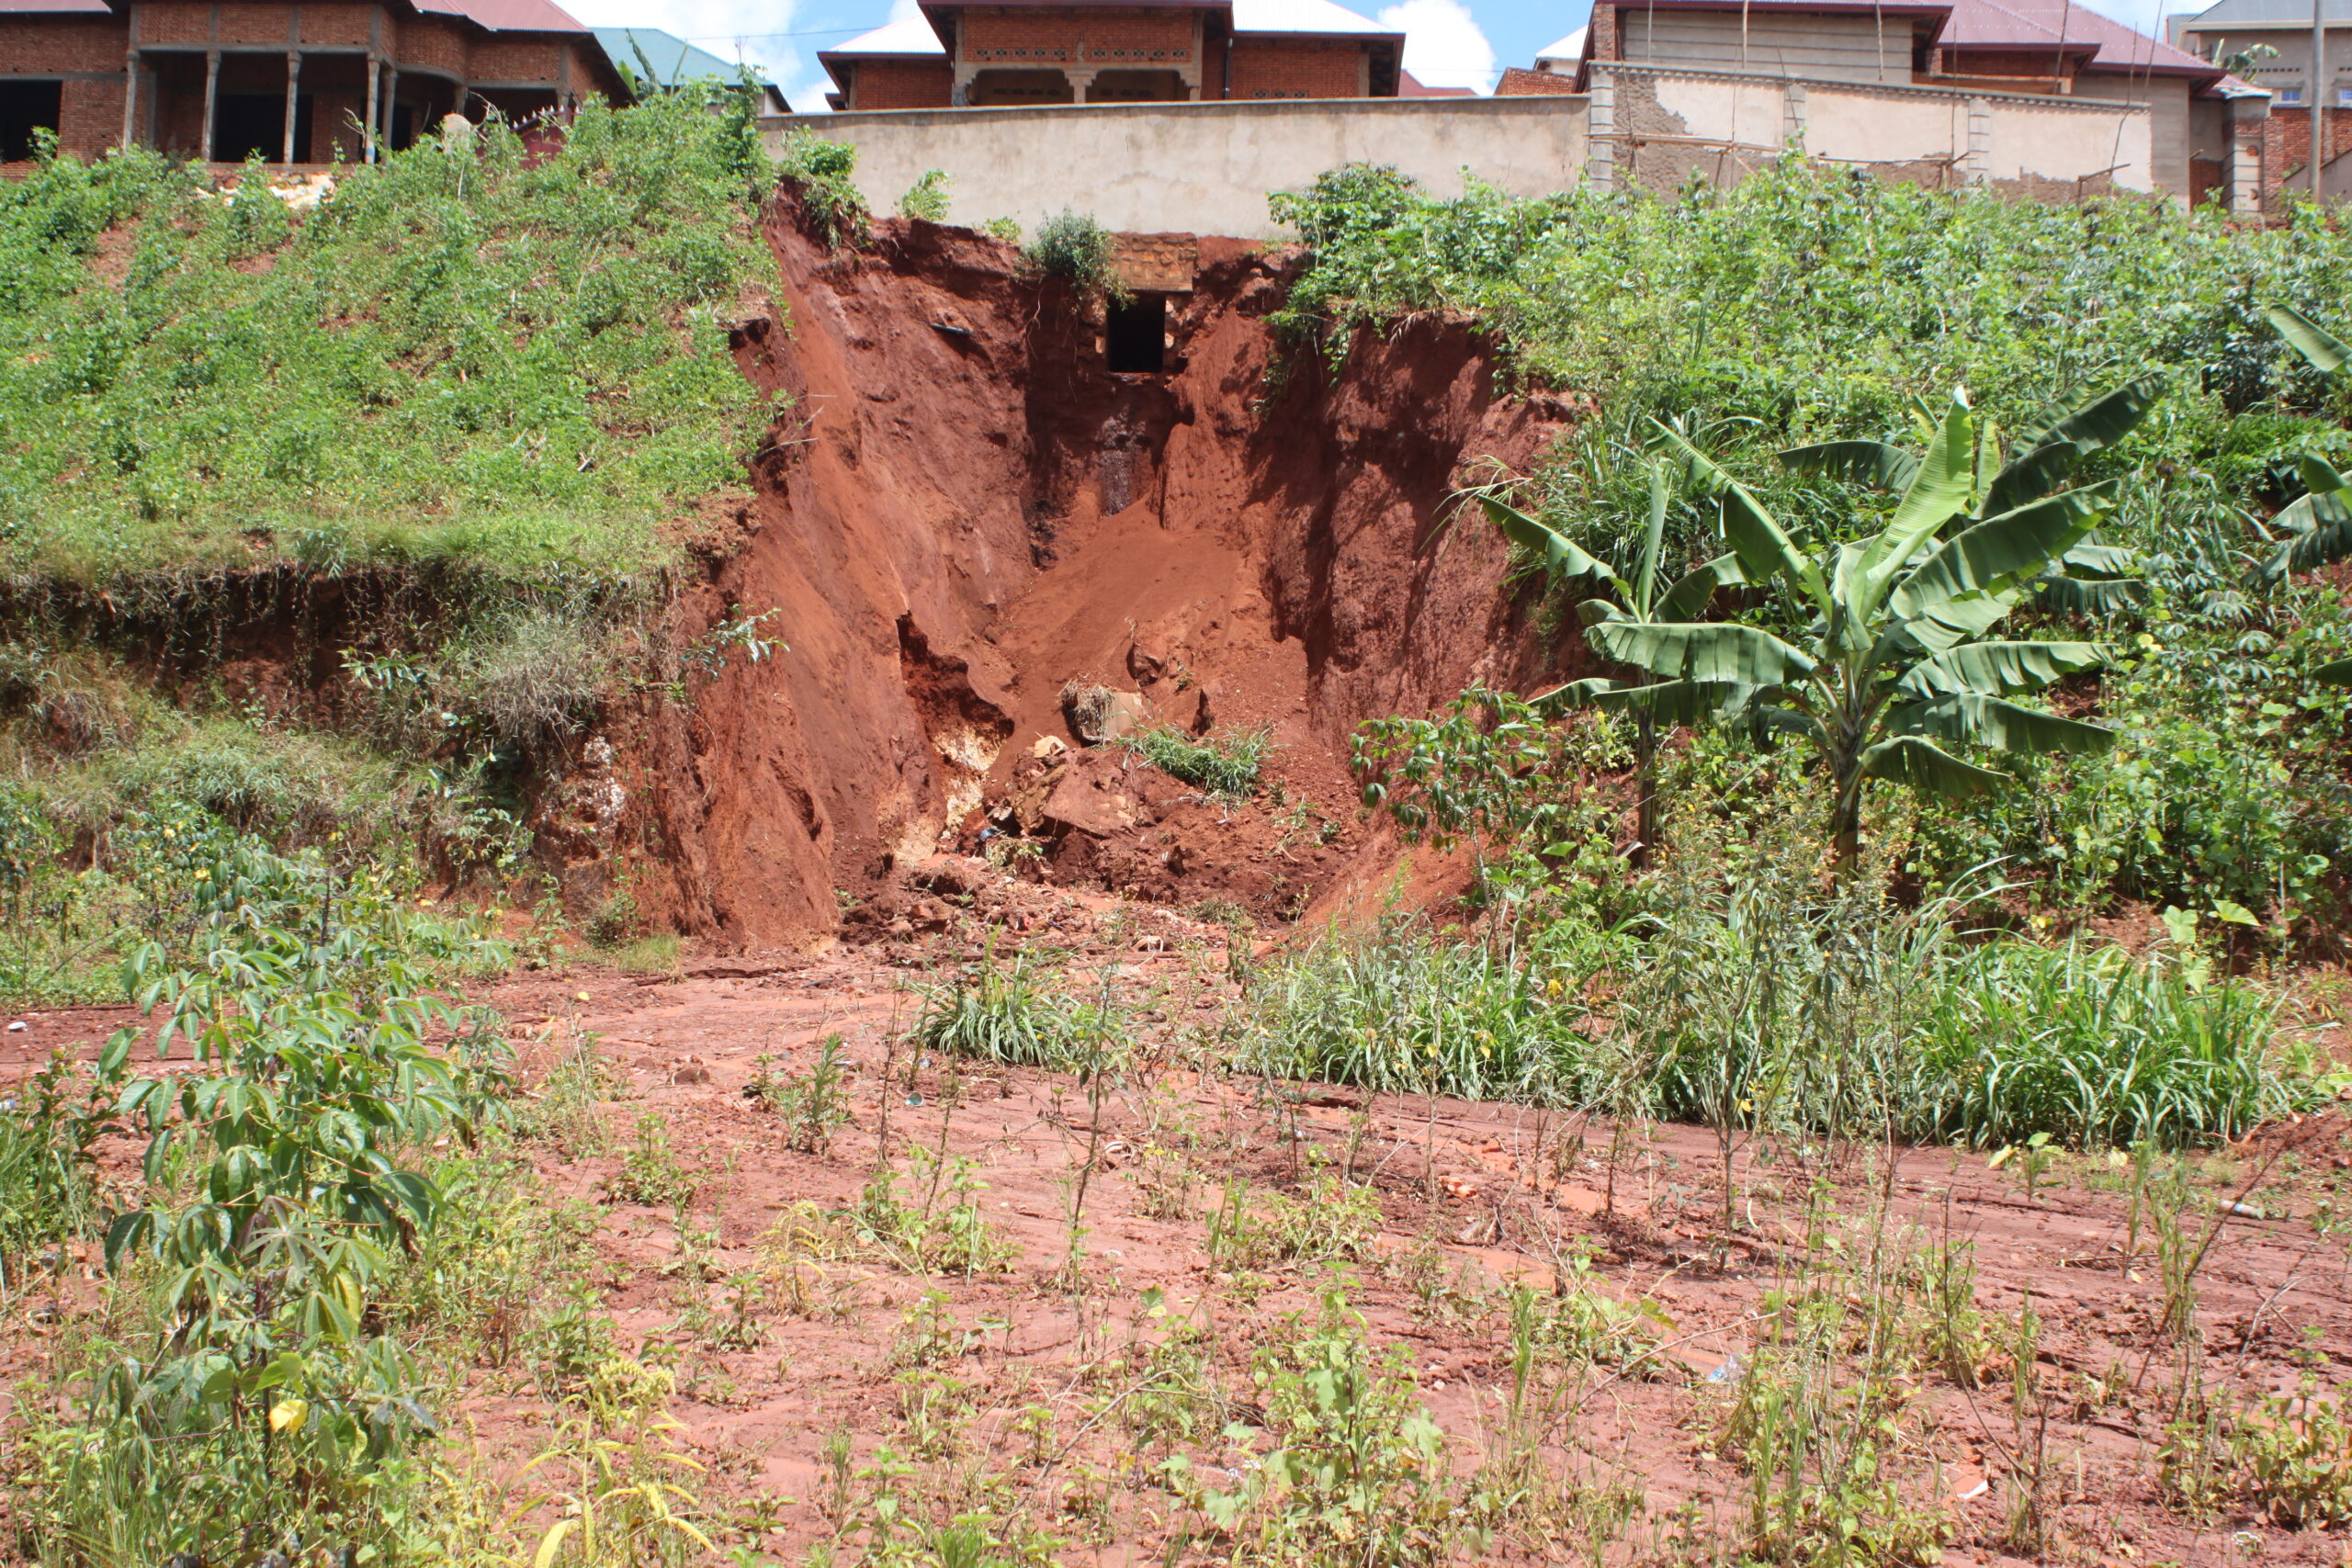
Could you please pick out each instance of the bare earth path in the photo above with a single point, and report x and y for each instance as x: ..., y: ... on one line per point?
x: 1014, y: 1389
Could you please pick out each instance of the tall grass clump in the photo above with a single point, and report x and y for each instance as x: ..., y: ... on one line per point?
x: 1007, y: 1012
x: 1226, y: 765
x: 1766, y: 1002
x: 2093, y: 1047
x: 461, y: 357
x: 1409, y: 1007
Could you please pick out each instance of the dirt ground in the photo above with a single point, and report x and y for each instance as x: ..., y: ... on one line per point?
x: 1472, y: 1199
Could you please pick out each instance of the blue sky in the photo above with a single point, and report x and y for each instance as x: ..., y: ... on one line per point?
x: 1448, y: 42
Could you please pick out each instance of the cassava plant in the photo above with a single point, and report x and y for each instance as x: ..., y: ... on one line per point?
x: 1895, y: 659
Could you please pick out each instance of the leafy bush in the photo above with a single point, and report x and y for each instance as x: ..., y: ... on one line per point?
x: 1075, y: 248
x: 1226, y: 765
x: 1358, y: 1473
x: 926, y: 199
x: 1807, y: 306
x: 821, y: 171
x: 258, y: 1386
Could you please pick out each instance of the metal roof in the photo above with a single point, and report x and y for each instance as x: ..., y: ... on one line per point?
x: 2265, y: 14
x: 1570, y: 49
x: 2076, y: 29
x: 913, y: 37
x: 907, y: 36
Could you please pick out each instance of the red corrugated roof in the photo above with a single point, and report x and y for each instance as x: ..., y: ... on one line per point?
x: 93, y: 7
x: 2079, y: 29
x: 506, y: 16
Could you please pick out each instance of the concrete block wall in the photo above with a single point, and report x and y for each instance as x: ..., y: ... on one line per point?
x: 1200, y: 168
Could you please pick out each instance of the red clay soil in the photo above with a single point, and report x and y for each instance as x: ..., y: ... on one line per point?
x: 1024, y: 1412
x: 965, y: 511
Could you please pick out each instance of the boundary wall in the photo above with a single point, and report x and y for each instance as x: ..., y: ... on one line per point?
x: 1200, y: 168
x: 1207, y: 168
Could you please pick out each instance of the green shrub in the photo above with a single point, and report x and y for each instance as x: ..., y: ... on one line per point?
x: 1406, y: 1008
x: 2091, y: 1046
x: 822, y: 171
x: 926, y: 199
x: 1076, y: 249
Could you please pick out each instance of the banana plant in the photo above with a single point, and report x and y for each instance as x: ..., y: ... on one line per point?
x: 2089, y: 579
x: 1896, y: 658
x: 1649, y: 703
x: 2318, y: 523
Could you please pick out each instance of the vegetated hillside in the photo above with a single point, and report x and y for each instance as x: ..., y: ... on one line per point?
x: 1806, y: 308
x: 1767, y: 1190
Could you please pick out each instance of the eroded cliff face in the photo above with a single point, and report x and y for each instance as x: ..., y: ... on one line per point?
x: 966, y: 511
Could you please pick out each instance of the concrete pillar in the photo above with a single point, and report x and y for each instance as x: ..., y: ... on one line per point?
x: 211, y: 95
x: 367, y: 131
x: 130, y: 96
x: 293, y: 98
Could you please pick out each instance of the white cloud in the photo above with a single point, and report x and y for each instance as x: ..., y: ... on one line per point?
x: 1444, y: 46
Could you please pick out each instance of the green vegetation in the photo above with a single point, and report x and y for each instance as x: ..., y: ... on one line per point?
x: 1075, y: 248
x: 926, y: 199
x: 461, y: 361
x: 1226, y: 765
x: 1825, y: 315
x: 1745, y: 996
x: 1007, y: 1012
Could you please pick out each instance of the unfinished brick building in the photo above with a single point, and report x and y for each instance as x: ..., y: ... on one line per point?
x: 294, y: 82
x: 1006, y: 52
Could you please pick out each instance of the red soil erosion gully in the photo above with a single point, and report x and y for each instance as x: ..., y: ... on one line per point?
x: 962, y: 513
x: 965, y: 511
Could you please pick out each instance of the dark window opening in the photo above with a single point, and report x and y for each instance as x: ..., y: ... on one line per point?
x: 246, y: 124
x: 1136, y: 339
x: 25, y: 107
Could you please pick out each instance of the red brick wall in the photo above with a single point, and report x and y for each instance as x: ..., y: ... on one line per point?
x: 427, y: 41
x: 1294, y: 69
x: 340, y: 24
x: 89, y: 117
x: 902, y: 84
x: 174, y: 21
x: 514, y: 60
x: 35, y: 44
x: 1604, y: 31
x: 335, y: 128
x: 1139, y: 37
x: 2287, y: 145
x: 1019, y: 37
x: 255, y: 24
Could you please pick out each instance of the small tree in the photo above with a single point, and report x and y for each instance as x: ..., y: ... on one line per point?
x: 1892, y: 662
